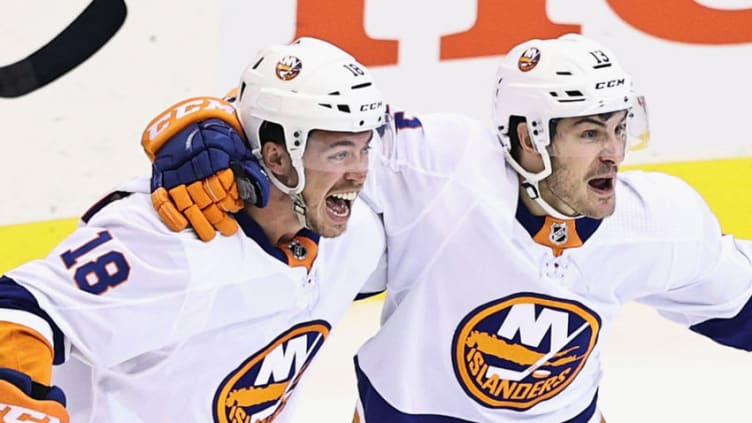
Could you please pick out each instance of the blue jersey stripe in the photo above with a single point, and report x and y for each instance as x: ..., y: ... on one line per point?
x: 364, y: 295
x: 377, y: 409
x: 735, y: 332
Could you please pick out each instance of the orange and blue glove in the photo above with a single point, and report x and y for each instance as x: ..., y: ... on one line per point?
x: 23, y: 400
x: 202, y: 169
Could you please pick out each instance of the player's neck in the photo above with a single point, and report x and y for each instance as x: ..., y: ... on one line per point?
x: 277, y: 219
x: 534, y: 208
x: 549, y: 197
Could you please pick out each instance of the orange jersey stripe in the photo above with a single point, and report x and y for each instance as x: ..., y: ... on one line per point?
x: 558, y: 234
x: 300, y: 251
x: 27, y: 351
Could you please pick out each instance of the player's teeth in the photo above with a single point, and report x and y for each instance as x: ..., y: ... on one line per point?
x: 346, y: 196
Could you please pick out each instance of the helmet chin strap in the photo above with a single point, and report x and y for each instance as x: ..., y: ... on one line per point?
x: 295, y: 193
x: 531, y: 184
x: 301, y: 209
x: 532, y: 189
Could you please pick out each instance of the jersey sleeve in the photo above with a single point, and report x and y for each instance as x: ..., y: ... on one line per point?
x: 376, y: 283
x: 730, y: 323
x: 105, y: 290
x: 424, y: 153
x: 710, y: 278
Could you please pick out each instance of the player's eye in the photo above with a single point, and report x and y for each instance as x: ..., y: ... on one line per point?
x: 590, y: 134
x: 621, y: 130
x: 340, y: 156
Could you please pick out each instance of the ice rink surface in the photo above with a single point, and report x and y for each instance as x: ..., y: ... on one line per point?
x: 654, y: 371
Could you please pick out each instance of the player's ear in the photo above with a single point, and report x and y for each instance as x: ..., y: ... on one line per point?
x: 526, y: 143
x: 277, y: 160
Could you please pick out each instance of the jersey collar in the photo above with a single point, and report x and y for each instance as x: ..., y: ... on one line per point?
x: 300, y: 251
x: 554, y: 233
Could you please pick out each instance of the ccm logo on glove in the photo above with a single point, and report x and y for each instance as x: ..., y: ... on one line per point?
x: 16, y: 414
x: 182, y: 114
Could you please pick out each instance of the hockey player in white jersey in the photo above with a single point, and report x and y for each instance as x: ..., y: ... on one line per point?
x: 148, y: 325
x: 530, y: 262
x: 511, y: 249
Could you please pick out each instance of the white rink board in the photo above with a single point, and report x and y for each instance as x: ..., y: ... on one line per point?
x: 68, y: 143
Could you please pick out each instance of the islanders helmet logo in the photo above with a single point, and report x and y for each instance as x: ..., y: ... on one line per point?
x: 529, y: 59
x: 258, y: 389
x: 288, y: 68
x: 517, y: 351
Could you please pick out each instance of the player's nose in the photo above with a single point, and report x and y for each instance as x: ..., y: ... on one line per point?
x: 356, y: 176
x: 613, y: 150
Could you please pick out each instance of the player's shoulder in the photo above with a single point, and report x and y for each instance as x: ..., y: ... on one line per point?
x: 436, y: 141
x: 126, y: 209
x: 454, y: 129
x: 134, y: 223
x: 660, y: 189
x: 662, y: 205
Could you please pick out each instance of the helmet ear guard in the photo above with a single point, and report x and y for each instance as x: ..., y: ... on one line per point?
x: 570, y: 76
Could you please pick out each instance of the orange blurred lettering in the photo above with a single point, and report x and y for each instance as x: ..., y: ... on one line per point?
x: 341, y: 22
x: 501, y: 25
x: 686, y: 21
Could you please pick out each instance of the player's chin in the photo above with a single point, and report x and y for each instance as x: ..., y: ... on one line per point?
x: 601, y: 207
x: 331, y: 230
x: 328, y: 226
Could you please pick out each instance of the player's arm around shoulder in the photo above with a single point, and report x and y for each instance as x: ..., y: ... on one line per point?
x: 433, y: 143
x: 422, y: 155
x: 202, y: 170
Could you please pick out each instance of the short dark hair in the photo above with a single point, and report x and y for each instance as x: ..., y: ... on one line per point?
x: 270, y: 131
x: 602, y: 116
x: 514, y: 121
x: 514, y: 140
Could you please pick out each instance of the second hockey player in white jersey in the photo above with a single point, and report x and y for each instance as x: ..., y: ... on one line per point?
x: 504, y: 281
x: 512, y: 249
x: 148, y: 325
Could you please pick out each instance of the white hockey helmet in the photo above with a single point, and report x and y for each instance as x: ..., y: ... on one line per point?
x: 569, y: 76
x: 306, y: 85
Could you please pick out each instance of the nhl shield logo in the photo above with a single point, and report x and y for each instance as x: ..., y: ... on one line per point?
x: 559, y: 234
x: 298, y: 250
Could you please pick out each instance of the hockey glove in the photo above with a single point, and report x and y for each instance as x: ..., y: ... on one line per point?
x: 202, y: 168
x: 22, y: 400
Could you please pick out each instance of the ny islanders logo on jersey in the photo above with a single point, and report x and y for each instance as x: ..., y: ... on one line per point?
x: 520, y: 350
x: 259, y: 388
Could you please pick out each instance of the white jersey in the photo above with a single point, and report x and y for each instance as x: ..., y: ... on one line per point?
x: 495, y: 315
x: 167, y: 328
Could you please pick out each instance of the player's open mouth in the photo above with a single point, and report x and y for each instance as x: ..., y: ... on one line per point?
x: 602, y: 185
x: 339, y: 205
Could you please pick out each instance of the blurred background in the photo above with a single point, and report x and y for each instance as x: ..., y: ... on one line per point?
x: 67, y: 143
